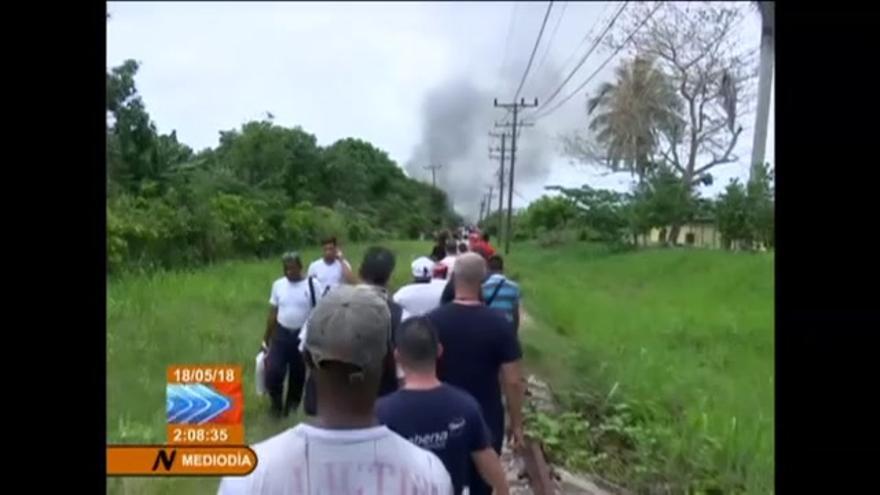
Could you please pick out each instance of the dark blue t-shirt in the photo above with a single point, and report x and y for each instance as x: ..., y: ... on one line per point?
x: 444, y: 420
x: 476, y: 342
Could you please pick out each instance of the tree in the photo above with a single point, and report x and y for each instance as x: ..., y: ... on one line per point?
x: 662, y: 200
x: 733, y: 215
x: 602, y: 211
x: 629, y: 115
x: 696, y: 47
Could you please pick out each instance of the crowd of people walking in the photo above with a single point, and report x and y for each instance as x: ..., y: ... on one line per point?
x: 408, y: 393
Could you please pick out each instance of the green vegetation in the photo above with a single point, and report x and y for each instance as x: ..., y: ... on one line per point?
x: 664, y: 360
x: 263, y: 189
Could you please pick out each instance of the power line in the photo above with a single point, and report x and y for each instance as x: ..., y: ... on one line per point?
x: 507, y: 45
x: 552, y: 36
x: 534, y: 50
x: 543, y: 114
x: 586, y: 55
x: 586, y: 36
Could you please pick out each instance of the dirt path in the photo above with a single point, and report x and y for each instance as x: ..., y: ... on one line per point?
x: 539, y: 395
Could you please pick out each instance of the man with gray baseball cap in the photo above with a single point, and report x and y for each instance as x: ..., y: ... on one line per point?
x: 345, y: 448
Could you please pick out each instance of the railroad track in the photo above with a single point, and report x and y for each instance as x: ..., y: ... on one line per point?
x: 529, y: 473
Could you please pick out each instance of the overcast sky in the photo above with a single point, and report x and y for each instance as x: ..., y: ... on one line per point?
x: 382, y: 72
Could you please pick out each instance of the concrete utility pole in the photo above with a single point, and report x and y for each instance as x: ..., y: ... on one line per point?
x: 515, y: 125
x: 503, y: 150
x: 765, y: 76
x: 489, y: 201
x: 482, y: 207
x: 433, y: 168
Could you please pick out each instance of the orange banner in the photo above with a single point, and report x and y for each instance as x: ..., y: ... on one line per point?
x: 207, y: 434
x: 170, y: 460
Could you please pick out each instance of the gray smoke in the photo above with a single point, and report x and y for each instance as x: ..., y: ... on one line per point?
x: 456, y: 119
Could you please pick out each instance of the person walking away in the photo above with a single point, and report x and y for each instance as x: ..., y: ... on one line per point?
x: 501, y: 293
x: 332, y: 269
x: 451, y: 255
x: 291, y: 301
x: 437, y: 416
x: 423, y: 294
x: 481, y: 355
x: 345, y: 449
x: 375, y: 271
x: 439, y: 250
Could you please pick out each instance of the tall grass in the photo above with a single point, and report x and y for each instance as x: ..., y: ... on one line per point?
x: 689, y: 331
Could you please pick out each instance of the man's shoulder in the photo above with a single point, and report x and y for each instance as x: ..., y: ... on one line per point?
x: 460, y: 398
x: 281, y: 447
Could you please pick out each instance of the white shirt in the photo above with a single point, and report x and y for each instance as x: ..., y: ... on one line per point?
x: 306, y: 460
x: 329, y: 275
x: 293, y: 300
x: 449, y: 261
x: 420, y: 298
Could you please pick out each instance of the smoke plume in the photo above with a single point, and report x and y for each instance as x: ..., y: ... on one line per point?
x: 456, y: 119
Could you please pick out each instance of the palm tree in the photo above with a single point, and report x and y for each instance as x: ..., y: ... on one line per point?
x: 630, y: 115
x: 766, y: 10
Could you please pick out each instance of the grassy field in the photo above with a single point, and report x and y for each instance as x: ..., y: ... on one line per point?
x: 688, y: 331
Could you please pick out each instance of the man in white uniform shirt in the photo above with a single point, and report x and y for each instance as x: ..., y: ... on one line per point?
x: 291, y: 303
x: 332, y: 269
x: 344, y: 450
x: 423, y: 294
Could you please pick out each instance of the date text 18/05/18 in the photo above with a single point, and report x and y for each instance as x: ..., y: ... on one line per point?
x: 204, y: 374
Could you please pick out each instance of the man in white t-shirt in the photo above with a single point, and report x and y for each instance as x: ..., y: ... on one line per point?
x: 332, y: 269
x: 345, y: 450
x: 423, y: 294
x: 291, y: 303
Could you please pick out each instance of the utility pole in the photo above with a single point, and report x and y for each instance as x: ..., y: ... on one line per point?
x: 503, y: 151
x: 433, y: 168
x: 482, y: 207
x: 489, y: 201
x: 516, y: 106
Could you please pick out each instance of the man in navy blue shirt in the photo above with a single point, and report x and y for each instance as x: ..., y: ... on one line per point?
x: 479, y: 347
x: 436, y: 416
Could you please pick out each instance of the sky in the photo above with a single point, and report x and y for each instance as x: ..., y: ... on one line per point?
x: 416, y: 79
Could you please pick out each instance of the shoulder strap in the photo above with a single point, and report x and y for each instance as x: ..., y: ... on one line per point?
x: 312, y: 291
x: 495, y: 292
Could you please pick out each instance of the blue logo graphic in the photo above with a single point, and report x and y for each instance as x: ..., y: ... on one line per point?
x: 193, y: 404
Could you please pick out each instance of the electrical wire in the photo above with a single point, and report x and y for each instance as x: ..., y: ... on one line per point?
x: 543, y: 114
x: 534, y: 50
x: 552, y: 36
x: 583, y: 84
x: 585, y: 57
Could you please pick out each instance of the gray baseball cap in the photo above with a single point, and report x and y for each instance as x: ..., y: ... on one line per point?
x: 351, y: 324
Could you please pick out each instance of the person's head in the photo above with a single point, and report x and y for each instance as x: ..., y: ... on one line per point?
x: 377, y: 266
x: 422, y: 269
x: 485, y: 237
x: 451, y: 247
x: 291, y: 263
x: 462, y: 248
x: 417, y: 346
x: 496, y: 264
x: 346, y: 343
x: 470, y: 271
x: 329, y: 246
